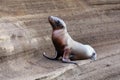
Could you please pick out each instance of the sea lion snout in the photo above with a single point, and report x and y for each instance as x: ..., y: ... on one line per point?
x: 56, y: 22
x: 50, y: 18
x: 53, y: 18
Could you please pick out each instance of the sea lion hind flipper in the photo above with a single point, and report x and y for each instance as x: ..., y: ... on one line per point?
x: 68, y: 61
x: 93, y: 57
x: 54, y: 58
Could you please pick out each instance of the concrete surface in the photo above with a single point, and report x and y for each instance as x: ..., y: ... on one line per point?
x: 25, y: 34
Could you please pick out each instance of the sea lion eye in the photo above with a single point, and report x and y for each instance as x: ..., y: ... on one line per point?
x: 58, y: 22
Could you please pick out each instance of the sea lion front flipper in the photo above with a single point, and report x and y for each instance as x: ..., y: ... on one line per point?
x: 66, y: 56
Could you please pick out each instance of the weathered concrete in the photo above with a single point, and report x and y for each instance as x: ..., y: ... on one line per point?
x: 25, y: 34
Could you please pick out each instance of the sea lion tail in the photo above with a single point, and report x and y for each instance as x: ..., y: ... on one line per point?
x: 94, y: 56
x: 54, y: 58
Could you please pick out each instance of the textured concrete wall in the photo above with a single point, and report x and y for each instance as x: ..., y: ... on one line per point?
x: 25, y: 32
x: 25, y: 7
x: 24, y: 24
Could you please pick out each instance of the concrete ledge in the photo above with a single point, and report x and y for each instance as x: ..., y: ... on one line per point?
x: 25, y: 35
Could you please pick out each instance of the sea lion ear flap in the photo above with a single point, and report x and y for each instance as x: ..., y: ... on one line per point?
x: 94, y: 56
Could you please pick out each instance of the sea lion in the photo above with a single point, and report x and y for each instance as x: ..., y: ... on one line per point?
x: 65, y: 46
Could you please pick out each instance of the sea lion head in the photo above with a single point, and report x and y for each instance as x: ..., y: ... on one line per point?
x: 56, y: 23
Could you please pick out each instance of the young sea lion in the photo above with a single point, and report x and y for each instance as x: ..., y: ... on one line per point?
x: 65, y: 46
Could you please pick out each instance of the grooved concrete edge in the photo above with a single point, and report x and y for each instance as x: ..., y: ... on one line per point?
x: 60, y: 71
